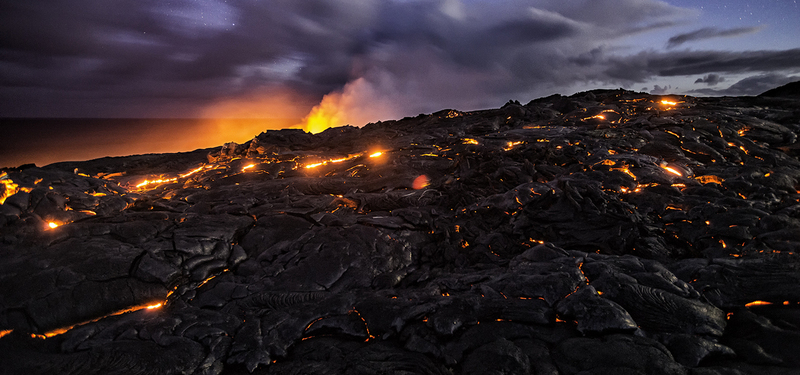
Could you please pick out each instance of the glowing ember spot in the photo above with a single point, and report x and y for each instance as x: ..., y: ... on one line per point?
x: 421, y: 182
x: 453, y: 114
x: 758, y: 303
x: 5, y: 332
x: 154, y: 306
x: 470, y: 141
x: 600, y: 117
x: 625, y: 170
x: 669, y: 102
x: 376, y: 154
x: 314, y: 165
x: 708, y: 179
x: 52, y: 225
x: 249, y: 166
x: 672, y: 170
x: 511, y: 145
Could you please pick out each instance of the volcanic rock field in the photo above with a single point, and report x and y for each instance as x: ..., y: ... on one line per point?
x: 609, y: 232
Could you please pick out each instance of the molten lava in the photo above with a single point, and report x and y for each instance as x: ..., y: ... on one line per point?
x: 10, y: 188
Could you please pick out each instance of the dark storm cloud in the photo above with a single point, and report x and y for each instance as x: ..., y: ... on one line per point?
x: 708, y: 33
x: 753, y: 85
x: 710, y: 79
x: 644, y: 65
x: 172, y: 58
x: 659, y: 90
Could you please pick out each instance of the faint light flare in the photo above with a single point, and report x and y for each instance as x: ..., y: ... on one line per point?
x: 421, y: 182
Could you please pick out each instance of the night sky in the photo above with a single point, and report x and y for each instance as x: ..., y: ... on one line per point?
x: 367, y: 60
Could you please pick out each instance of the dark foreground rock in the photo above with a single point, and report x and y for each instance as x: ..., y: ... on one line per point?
x: 603, y: 233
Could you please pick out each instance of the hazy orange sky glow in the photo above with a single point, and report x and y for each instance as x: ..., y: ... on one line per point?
x: 83, y: 139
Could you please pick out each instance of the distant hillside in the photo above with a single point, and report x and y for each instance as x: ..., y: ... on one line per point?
x: 787, y: 90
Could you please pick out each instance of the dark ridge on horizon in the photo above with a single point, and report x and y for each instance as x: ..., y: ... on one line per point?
x: 788, y: 90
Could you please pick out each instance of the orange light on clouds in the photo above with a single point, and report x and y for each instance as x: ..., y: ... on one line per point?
x: 357, y: 104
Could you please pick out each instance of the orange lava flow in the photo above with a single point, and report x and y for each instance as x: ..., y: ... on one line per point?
x: 61, y: 330
x: 145, y: 183
x: 10, y: 188
x: 758, y: 303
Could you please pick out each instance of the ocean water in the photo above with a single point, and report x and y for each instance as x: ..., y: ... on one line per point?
x: 43, y: 141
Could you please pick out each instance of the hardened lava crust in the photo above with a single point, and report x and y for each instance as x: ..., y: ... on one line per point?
x: 608, y: 232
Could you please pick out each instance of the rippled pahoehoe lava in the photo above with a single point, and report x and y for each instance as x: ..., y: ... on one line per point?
x: 609, y: 231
